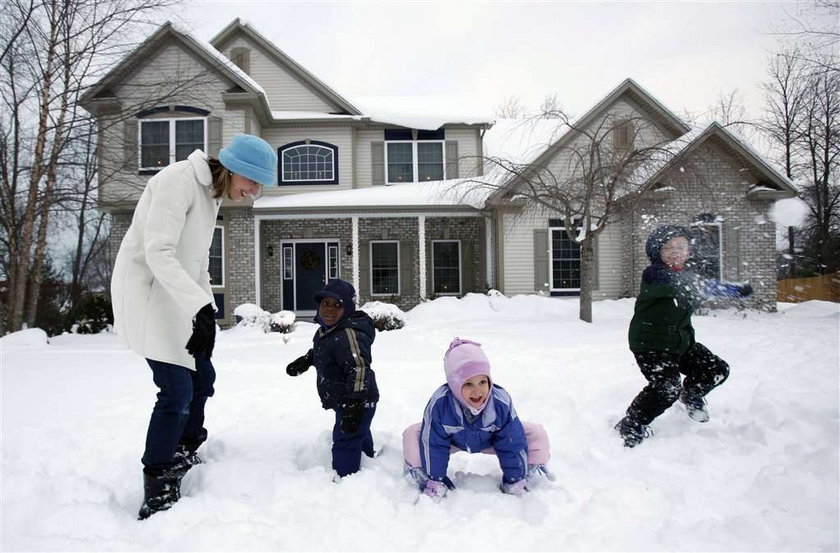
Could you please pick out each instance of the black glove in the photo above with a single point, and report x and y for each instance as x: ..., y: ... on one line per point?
x: 200, y: 345
x: 745, y: 290
x: 301, y: 364
x: 351, y: 416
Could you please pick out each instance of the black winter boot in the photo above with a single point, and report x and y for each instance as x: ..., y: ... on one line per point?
x: 632, y: 432
x: 161, y: 489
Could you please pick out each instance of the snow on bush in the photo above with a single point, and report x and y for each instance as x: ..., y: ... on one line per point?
x: 386, y: 316
x: 31, y: 337
x: 251, y: 315
x: 283, y: 322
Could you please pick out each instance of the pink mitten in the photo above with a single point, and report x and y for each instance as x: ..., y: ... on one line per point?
x: 435, y: 489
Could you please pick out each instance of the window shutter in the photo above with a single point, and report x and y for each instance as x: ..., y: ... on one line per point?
x: 130, y: 145
x: 541, y: 260
x: 451, y: 159
x: 377, y: 163
x: 467, y: 267
x: 364, y: 270
x: 214, y: 136
x: 406, y: 267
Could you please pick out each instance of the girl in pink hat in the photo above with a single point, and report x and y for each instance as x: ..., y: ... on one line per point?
x: 470, y: 413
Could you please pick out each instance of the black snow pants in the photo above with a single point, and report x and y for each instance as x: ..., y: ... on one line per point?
x: 703, y: 372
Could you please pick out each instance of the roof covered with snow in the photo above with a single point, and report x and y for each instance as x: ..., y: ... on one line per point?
x: 455, y: 193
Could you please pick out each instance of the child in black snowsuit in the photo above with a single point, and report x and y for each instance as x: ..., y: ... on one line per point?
x: 345, y: 380
x: 662, y: 338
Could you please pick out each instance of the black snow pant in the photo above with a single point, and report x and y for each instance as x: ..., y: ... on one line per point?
x: 703, y: 372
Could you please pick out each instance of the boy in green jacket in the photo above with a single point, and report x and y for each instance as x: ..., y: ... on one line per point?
x: 662, y: 339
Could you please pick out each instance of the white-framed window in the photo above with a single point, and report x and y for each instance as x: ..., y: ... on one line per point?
x: 216, y: 266
x: 385, y: 268
x: 446, y: 267
x: 309, y: 162
x: 164, y: 141
x: 565, y: 258
x: 414, y: 155
x: 332, y: 261
x: 707, y: 247
x: 288, y: 263
x: 414, y: 161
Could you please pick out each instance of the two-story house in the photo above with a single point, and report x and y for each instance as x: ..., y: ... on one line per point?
x: 390, y: 202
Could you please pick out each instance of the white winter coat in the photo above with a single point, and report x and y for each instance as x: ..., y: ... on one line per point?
x: 160, y: 278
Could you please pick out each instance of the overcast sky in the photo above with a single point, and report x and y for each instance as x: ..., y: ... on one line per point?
x: 478, y: 53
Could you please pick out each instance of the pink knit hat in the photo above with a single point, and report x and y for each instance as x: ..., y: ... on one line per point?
x: 463, y: 360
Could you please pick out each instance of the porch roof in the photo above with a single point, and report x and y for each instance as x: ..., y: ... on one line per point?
x: 454, y: 193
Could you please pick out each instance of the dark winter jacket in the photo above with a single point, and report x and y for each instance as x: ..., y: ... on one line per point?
x: 446, y: 424
x: 667, y: 298
x: 342, y: 358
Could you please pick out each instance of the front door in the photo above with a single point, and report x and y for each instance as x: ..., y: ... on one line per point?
x: 310, y: 274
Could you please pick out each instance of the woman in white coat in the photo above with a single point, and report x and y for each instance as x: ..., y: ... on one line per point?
x: 163, y: 303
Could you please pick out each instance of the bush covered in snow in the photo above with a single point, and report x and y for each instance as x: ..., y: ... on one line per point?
x: 283, y: 322
x: 249, y: 314
x: 386, y: 316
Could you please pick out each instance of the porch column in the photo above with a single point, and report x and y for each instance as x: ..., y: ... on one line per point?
x: 355, y: 222
x: 421, y: 249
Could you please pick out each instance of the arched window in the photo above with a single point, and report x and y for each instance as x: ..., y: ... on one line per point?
x: 309, y: 162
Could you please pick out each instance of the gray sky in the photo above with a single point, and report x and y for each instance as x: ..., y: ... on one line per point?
x: 475, y: 54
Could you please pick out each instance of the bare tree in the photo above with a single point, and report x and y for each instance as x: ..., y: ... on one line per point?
x: 51, y: 52
x: 803, y: 123
x: 820, y: 147
x: 604, y: 168
x: 510, y: 108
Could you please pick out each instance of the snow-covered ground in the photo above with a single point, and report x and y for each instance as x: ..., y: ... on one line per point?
x: 761, y: 476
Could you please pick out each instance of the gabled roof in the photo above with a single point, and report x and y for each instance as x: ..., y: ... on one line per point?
x: 146, y: 51
x: 628, y: 89
x: 237, y: 27
x: 780, y: 186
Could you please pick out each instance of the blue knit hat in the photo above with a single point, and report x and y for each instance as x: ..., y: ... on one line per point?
x: 252, y: 157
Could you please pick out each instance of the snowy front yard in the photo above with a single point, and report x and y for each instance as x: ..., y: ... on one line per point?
x: 761, y: 475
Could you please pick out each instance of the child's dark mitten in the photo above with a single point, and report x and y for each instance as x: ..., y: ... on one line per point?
x: 746, y: 290
x: 351, y: 417
x: 301, y: 364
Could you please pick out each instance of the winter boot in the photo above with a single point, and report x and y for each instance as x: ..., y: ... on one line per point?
x: 161, y: 489
x: 695, y: 405
x: 536, y: 471
x: 189, y: 456
x: 632, y: 432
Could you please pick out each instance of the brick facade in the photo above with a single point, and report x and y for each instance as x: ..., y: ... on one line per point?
x: 468, y: 230
x: 712, y: 182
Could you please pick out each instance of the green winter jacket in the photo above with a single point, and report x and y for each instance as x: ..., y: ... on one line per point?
x: 662, y: 317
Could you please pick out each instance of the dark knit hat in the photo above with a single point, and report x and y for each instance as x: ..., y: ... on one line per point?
x: 659, y: 236
x: 341, y: 291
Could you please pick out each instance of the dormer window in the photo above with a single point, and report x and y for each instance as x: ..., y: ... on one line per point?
x: 241, y: 57
x: 414, y: 156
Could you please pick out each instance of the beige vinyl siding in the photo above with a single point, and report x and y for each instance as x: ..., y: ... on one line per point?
x: 468, y: 150
x: 518, y: 246
x: 284, y: 91
x: 341, y: 138
x: 609, y: 251
x: 648, y: 135
x: 364, y: 139
x: 163, y: 72
x: 467, y: 139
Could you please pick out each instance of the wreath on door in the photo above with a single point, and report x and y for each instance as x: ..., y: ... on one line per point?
x: 310, y: 260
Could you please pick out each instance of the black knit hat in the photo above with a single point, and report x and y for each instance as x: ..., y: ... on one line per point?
x: 659, y: 236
